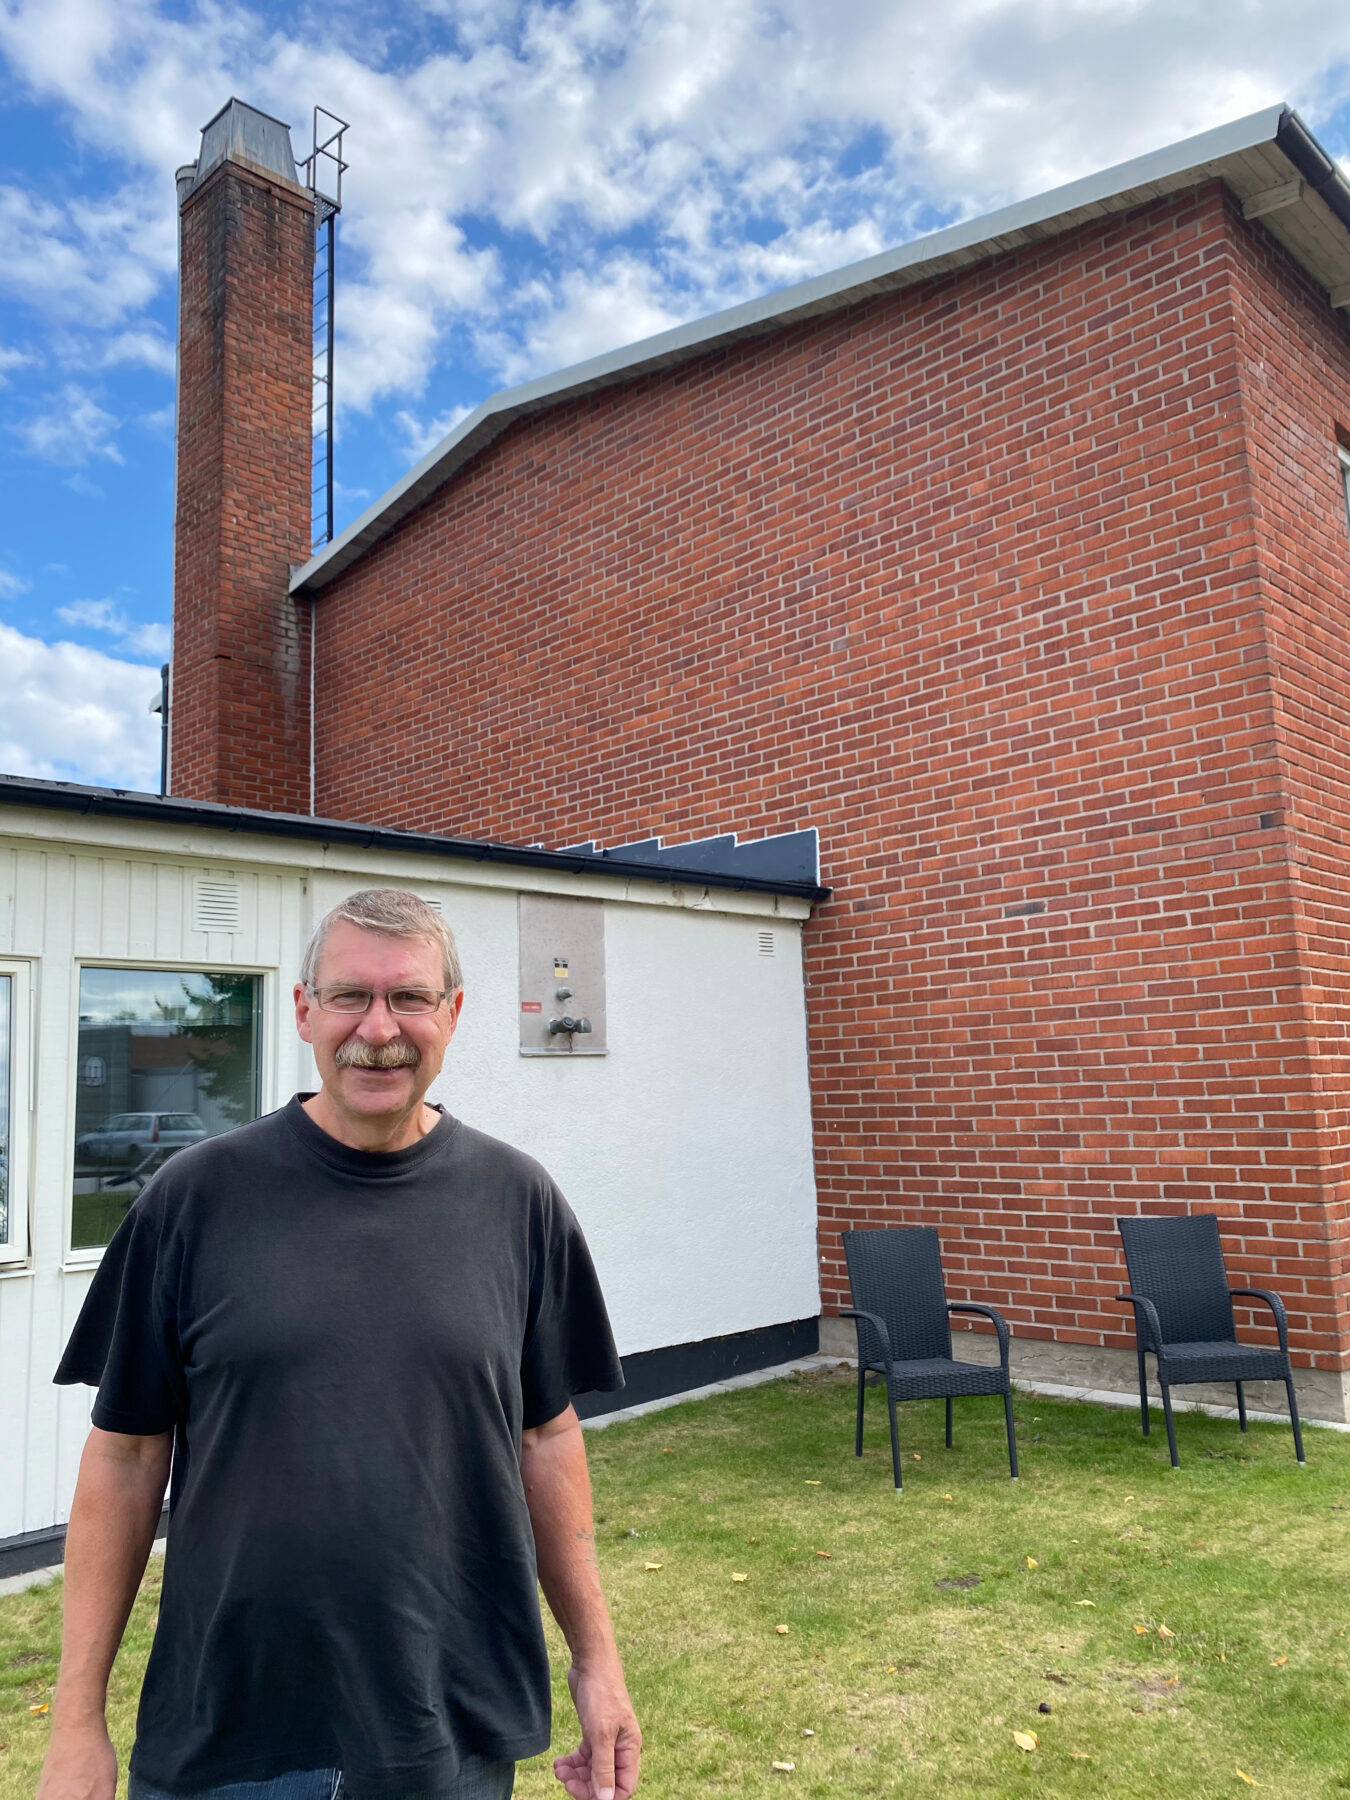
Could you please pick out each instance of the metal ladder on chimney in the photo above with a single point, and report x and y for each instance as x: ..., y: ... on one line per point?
x: 324, y: 168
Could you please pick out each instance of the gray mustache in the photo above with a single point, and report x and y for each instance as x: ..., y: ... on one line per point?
x: 357, y: 1055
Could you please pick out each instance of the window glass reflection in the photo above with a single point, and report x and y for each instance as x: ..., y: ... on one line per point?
x: 165, y: 1059
x: 6, y: 1082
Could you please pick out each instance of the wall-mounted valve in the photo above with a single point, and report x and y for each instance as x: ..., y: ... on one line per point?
x: 567, y: 1024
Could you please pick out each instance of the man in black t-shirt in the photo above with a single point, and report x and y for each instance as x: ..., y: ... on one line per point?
x: 351, y: 1330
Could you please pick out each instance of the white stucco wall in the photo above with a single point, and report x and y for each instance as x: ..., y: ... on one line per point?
x: 686, y: 1151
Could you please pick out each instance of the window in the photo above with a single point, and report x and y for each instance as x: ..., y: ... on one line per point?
x: 181, y: 1049
x: 15, y: 1069
x: 1344, y: 456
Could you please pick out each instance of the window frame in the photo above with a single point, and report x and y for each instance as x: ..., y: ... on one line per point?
x: 1343, y: 460
x: 267, y: 976
x: 22, y: 1069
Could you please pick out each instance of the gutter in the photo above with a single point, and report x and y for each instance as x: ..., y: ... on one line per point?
x: 206, y: 815
x: 1312, y: 162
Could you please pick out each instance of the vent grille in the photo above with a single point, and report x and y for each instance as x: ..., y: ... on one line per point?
x: 766, y: 943
x: 217, y: 906
x: 434, y: 903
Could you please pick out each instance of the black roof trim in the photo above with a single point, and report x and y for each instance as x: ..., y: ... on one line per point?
x: 1312, y: 162
x: 120, y: 803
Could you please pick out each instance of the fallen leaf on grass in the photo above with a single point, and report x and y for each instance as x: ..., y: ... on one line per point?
x: 807, y: 1731
x: 946, y: 1496
x: 1278, y: 1662
x: 1250, y: 1780
x: 823, y: 1553
x: 740, y: 1578
x: 1144, y: 1630
x: 782, y: 1630
x: 1080, y: 1756
x: 1032, y: 1563
x: 1166, y: 1631
x: 1085, y: 1602
x: 666, y: 1450
x: 784, y: 1768
x: 916, y: 1455
x: 1025, y: 1740
x: 810, y: 1483
x: 653, y: 1566
x: 45, y: 1707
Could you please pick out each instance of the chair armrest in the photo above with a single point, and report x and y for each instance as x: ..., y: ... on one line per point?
x: 1153, y: 1325
x: 1276, y: 1305
x: 987, y: 1312
x: 878, y: 1324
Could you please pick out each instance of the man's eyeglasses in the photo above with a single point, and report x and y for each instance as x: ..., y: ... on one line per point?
x: 409, y: 1001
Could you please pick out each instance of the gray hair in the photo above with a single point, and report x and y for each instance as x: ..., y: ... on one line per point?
x: 394, y: 913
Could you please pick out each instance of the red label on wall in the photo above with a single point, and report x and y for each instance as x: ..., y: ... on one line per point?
x: 532, y: 1006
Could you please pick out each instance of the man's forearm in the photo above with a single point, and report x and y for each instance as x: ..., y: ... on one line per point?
x: 112, y: 1526
x: 558, y: 1494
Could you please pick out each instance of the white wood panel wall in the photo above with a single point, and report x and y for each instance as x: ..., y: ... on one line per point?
x: 75, y: 890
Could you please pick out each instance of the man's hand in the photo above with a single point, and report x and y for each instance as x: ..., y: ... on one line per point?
x: 558, y: 1494
x: 81, y: 1764
x: 605, y: 1764
x: 112, y: 1526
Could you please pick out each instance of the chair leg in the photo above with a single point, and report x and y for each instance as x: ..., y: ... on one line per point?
x: 949, y: 1421
x: 895, y: 1437
x: 1167, y: 1415
x: 1012, y: 1436
x: 1293, y: 1419
x: 862, y: 1383
x: 1242, y: 1408
x: 1143, y: 1389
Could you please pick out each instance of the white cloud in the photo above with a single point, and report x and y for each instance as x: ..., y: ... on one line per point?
x: 423, y: 435
x: 73, y: 430
x: 554, y: 177
x: 74, y: 714
x: 11, y: 585
x: 85, y: 261
x: 147, y: 347
x: 11, y: 359
x: 86, y: 489
x: 150, y: 639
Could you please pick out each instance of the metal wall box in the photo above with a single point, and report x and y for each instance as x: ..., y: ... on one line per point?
x: 562, y: 976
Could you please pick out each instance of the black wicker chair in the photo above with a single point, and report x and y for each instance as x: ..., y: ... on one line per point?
x: 903, y: 1321
x: 1183, y: 1314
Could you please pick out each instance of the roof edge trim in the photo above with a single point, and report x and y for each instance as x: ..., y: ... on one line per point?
x: 208, y: 815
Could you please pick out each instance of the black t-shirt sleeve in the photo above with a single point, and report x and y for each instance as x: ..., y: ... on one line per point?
x: 569, y: 1348
x: 125, y: 1342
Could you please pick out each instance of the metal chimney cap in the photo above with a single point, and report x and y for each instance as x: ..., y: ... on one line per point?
x: 240, y: 133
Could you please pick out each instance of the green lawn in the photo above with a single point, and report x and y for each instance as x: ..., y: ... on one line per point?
x: 935, y: 1623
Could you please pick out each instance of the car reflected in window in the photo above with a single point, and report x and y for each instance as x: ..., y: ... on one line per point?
x: 166, y: 1058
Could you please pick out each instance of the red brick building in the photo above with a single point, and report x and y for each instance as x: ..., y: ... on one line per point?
x: 1015, y: 561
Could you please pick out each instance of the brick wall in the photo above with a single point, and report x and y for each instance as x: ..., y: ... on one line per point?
x: 968, y: 577
x: 239, y: 724
x: 1296, y: 388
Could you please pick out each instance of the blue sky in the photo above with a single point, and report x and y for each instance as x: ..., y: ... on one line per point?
x: 530, y: 184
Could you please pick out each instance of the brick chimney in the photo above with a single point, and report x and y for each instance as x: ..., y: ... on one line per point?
x: 239, y: 722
